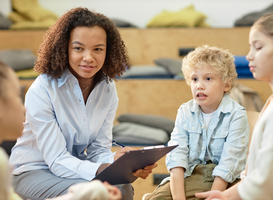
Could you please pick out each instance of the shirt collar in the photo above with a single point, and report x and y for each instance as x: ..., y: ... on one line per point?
x: 66, y: 74
x: 226, y: 106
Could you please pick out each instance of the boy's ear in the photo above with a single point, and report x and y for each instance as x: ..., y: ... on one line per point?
x: 227, y: 85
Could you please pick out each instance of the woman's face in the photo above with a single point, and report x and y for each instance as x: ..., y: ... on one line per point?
x: 87, y: 50
x: 260, y: 56
x: 12, y: 110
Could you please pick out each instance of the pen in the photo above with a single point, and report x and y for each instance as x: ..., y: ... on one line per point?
x: 117, y: 144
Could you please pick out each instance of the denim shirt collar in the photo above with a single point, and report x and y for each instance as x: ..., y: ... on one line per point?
x: 226, y: 106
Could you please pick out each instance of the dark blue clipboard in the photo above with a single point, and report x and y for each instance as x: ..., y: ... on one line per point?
x: 121, y: 171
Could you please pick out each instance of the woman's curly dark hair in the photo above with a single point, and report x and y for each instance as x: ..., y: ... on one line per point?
x: 53, y: 52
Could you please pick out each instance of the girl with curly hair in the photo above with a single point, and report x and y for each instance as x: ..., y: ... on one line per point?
x: 71, y: 107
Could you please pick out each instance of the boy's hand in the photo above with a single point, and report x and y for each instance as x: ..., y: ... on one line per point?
x: 144, y: 173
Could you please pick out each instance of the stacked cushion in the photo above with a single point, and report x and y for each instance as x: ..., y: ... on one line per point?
x: 18, y: 59
x: 143, y: 129
x: 250, y: 18
x: 173, y: 66
x: 123, y: 24
x: 5, y: 23
x: 148, y: 72
x: 130, y: 133
x: 28, y: 14
x: 149, y: 120
x: 241, y: 64
x: 187, y: 17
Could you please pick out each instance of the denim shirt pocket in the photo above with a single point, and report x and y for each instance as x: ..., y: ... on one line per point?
x: 194, y: 133
x: 217, y: 141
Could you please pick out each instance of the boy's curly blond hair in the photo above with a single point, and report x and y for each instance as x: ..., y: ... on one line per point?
x: 220, y: 60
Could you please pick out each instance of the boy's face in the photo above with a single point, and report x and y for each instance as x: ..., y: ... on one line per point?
x: 12, y: 110
x: 207, y: 88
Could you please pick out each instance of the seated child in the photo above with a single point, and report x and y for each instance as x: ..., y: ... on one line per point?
x: 211, y: 130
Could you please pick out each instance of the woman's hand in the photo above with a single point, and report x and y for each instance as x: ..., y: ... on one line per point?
x: 141, y: 173
x: 122, y: 151
x: 144, y: 173
x: 113, y: 192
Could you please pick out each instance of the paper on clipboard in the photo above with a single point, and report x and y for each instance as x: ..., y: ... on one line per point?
x: 121, y: 171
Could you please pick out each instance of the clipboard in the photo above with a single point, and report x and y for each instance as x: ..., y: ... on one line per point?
x: 121, y: 171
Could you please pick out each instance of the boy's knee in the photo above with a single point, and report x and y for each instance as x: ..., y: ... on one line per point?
x: 161, y: 193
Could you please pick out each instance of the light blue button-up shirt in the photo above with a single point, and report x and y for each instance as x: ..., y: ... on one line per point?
x: 225, y: 139
x: 59, y: 128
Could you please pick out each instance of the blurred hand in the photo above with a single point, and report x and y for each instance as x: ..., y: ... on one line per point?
x: 144, y: 173
x: 113, y: 192
x: 67, y: 196
x: 211, y: 195
x: 122, y: 151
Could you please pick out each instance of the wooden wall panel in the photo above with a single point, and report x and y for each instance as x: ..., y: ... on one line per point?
x: 154, y: 97
x: 23, y: 39
x: 146, y: 45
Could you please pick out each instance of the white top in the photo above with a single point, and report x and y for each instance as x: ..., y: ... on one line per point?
x: 258, y: 182
x: 207, y: 118
x: 59, y: 127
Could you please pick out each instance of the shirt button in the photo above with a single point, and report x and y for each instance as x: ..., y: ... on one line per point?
x: 189, y: 173
x: 203, y: 148
x: 80, y: 100
x: 217, y: 134
x: 243, y: 141
x: 192, y: 128
x: 203, y: 127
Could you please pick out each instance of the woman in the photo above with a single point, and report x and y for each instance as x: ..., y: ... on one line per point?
x: 71, y: 107
x: 11, y: 126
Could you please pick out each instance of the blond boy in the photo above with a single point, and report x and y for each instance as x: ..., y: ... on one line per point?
x: 211, y: 129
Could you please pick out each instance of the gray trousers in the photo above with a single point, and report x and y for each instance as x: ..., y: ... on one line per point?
x: 42, y: 184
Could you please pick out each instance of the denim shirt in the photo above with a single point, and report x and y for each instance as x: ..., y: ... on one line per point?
x: 225, y: 139
x: 61, y: 132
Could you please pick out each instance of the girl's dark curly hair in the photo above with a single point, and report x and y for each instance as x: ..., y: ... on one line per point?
x: 53, y: 52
